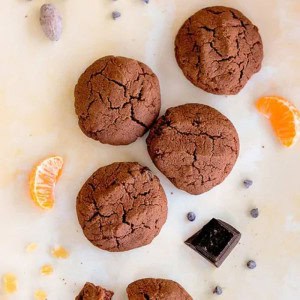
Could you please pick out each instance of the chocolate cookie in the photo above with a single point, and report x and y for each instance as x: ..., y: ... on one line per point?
x: 117, y: 99
x: 195, y: 146
x: 121, y: 207
x: 93, y: 292
x: 219, y: 49
x: 156, y: 289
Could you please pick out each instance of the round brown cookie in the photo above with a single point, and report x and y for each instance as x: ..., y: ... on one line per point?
x: 117, y: 99
x: 93, y: 292
x: 195, y: 146
x: 219, y: 49
x: 121, y: 207
x: 156, y: 289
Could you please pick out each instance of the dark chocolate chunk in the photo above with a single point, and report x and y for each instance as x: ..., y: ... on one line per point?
x: 218, y: 290
x: 251, y: 264
x: 254, y: 213
x: 191, y: 216
x: 214, y: 241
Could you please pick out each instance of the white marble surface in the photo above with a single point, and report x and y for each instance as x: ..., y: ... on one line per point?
x: 37, y: 79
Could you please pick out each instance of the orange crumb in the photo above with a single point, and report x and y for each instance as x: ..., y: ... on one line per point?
x: 10, y: 283
x: 46, y: 270
x: 31, y: 247
x: 40, y: 295
x: 60, y: 252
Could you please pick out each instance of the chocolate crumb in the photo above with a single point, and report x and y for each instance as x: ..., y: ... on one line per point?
x: 254, y: 213
x: 218, y: 290
x: 116, y: 15
x: 191, y: 216
x: 251, y: 264
x: 247, y: 183
x: 146, y: 1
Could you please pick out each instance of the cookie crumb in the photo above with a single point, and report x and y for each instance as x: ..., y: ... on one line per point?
x: 247, y: 183
x: 40, y: 295
x: 31, y: 247
x: 191, y: 216
x: 251, y: 264
x: 60, y: 252
x: 218, y: 290
x: 10, y: 283
x: 116, y: 15
x: 254, y: 213
x: 46, y: 270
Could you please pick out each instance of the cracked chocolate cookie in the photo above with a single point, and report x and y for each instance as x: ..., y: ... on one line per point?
x: 93, y: 292
x: 156, y: 289
x: 121, y: 207
x: 194, y: 146
x: 219, y: 49
x: 117, y: 99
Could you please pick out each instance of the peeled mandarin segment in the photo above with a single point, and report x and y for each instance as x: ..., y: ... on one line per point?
x: 60, y: 252
x: 43, y: 179
x: 10, y: 283
x: 46, y: 270
x: 284, y: 118
x: 40, y: 295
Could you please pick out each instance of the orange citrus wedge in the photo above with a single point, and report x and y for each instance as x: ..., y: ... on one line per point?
x: 43, y: 179
x: 284, y: 118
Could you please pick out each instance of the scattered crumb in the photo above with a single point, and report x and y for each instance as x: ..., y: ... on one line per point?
x: 251, y: 264
x: 10, y: 283
x: 60, y: 252
x: 172, y: 193
x: 218, y: 290
x: 40, y: 295
x: 247, y: 183
x: 191, y: 216
x: 254, y: 212
x: 116, y: 15
x: 46, y: 270
x: 31, y: 247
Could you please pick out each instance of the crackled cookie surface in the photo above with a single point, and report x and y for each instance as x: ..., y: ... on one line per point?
x: 219, y: 49
x: 156, y: 289
x: 195, y: 146
x: 117, y: 99
x: 93, y: 292
x: 121, y: 207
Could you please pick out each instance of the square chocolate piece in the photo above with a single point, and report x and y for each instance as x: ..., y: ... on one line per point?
x: 214, y: 241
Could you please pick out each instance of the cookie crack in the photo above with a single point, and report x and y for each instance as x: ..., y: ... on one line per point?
x: 134, y: 119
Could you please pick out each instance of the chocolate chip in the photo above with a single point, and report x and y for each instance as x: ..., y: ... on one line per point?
x: 247, y: 183
x: 254, y: 213
x: 251, y: 264
x: 146, y: 1
x: 116, y: 15
x: 218, y: 290
x: 191, y: 216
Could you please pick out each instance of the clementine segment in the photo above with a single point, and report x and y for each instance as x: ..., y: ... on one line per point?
x: 43, y: 179
x: 284, y: 118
